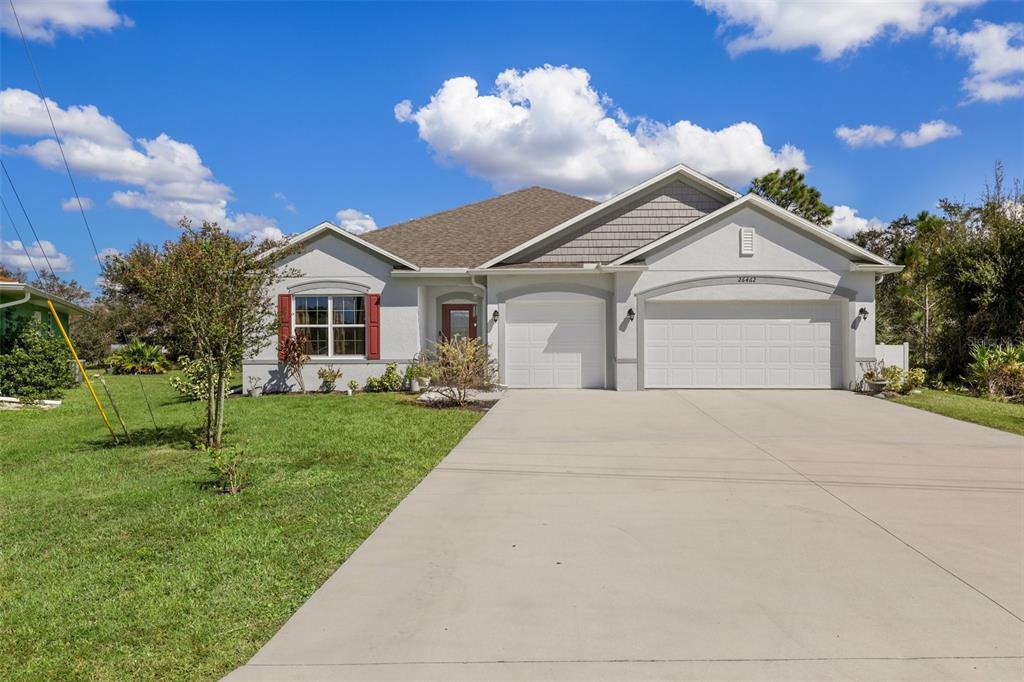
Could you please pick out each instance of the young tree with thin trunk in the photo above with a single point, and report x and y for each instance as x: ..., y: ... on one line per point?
x: 214, y: 290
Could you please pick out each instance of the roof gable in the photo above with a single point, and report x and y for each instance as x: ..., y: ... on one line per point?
x: 678, y: 173
x: 827, y: 237
x: 327, y: 227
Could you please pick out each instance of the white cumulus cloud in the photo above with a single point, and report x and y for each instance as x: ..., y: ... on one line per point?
x: 876, y: 136
x: 928, y: 132
x: 549, y: 126
x: 834, y: 28
x: 12, y: 254
x: 108, y: 252
x: 866, y: 135
x: 71, y: 204
x: 355, y: 221
x: 846, y: 222
x: 166, y: 177
x: 996, y: 55
x: 42, y: 20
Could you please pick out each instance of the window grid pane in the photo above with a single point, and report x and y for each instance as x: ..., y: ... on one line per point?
x: 349, y: 310
x: 331, y: 325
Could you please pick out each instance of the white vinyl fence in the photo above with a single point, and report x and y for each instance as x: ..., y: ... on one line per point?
x: 893, y: 354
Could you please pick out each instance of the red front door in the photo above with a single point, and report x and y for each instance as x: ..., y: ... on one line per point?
x: 458, y: 319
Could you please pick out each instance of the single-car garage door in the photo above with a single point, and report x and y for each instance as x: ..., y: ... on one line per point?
x: 742, y: 345
x: 554, y: 344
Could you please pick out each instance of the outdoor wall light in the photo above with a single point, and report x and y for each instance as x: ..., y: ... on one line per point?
x: 494, y: 315
x: 863, y: 313
x: 631, y: 314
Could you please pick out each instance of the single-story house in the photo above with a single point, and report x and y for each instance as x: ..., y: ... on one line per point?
x: 679, y: 282
x: 20, y: 301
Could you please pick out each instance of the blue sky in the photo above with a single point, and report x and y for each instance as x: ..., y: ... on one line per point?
x: 277, y: 116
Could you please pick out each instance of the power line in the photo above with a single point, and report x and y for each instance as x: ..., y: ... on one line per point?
x: 60, y: 144
x: 32, y: 227
x: 21, y: 241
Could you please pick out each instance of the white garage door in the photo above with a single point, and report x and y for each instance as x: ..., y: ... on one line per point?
x: 742, y: 345
x: 554, y: 344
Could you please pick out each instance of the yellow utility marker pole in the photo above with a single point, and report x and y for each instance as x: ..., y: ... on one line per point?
x: 81, y: 369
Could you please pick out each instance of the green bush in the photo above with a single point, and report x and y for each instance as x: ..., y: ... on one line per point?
x: 34, y: 363
x: 914, y: 380
x: 192, y: 383
x: 390, y: 381
x: 997, y: 370
x: 137, y: 357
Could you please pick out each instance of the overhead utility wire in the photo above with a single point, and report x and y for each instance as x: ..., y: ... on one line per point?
x: 60, y: 144
x: 17, y: 233
x: 28, y: 220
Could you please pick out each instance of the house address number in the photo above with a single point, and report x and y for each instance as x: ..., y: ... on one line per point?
x: 746, y: 280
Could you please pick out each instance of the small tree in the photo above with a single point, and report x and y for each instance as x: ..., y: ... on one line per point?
x: 789, y: 191
x: 456, y: 366
x: 213, y: 291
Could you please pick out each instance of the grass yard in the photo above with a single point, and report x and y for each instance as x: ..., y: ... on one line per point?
x: 1003, y: 416
x: 120, y: 563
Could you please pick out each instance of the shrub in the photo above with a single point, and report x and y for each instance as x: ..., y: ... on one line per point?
x: 894, y: 376
x: 293, y: 355
x: 329, y: 375
x: 353, y: 385
x: 458, y: 365
x: 915, y: 379
x: 228, y: 467
x: 34, y: 363
x: 389, y: 381
x: 137, y: 357
x: 996, y: 370
x: 194, y: 381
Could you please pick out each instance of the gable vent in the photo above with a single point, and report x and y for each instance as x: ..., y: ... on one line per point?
x: 746, y: 241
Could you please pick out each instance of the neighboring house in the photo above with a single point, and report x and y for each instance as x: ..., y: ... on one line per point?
x: 19, y: 301
x: 677, y: 282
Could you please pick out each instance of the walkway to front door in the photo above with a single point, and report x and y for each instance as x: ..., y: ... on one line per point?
x: 599, y: 535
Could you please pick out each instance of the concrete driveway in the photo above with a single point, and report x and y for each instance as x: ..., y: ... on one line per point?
x: 595, y: 535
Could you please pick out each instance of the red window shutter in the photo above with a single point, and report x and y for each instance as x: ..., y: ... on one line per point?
x: 373, y: 326
x: 284, y: 319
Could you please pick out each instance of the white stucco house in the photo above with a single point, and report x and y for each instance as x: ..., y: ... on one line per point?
x: 679, y: 282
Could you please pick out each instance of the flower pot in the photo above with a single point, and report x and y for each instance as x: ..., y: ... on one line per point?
x: 424, y: 381
x: 874, y: 386
x: 328, y: 386
x: 255, y: 391
x: 349, y: 390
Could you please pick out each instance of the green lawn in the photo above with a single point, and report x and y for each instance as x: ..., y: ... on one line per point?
x: 1003, y: 416
x: 121, y: 563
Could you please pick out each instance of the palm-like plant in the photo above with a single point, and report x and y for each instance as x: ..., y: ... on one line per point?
x: 137, y: 357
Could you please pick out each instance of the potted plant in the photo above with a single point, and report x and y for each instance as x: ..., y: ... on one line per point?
x: 255, y: 387
x: 353, y: 386
x: 329, y: 375
x: 874, y: 376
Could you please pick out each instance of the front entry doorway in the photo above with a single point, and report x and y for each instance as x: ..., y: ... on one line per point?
x: 458, y: 320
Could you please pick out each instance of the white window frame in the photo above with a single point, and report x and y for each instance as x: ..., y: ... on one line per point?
x: 330, y: 322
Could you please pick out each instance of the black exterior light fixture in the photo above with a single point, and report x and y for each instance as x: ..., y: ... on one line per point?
x: 494, y: 315
x: 863, y: 313
x: 631, y: 314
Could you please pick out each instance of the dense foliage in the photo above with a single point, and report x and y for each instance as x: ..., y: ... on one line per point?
x: 191, y: 381
x: 788, y: 190
x: 963, y: 281
x: 34, y: 363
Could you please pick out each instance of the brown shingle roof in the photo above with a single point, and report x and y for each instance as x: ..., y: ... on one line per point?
x: 471, y: 235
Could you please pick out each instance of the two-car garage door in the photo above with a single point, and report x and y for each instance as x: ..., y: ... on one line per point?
x: 742, y: 345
